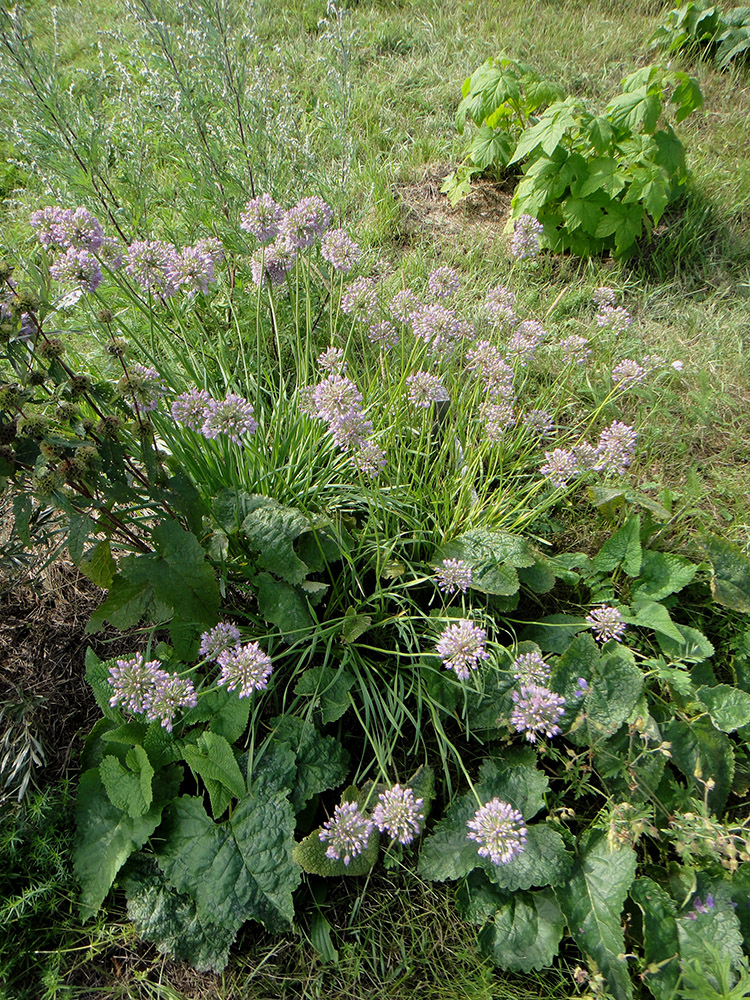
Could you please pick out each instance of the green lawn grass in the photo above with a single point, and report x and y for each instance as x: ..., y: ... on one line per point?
x: 369, y: 103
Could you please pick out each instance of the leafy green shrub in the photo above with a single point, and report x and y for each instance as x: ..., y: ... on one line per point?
x: 702, y: 28
x: 594, y: 182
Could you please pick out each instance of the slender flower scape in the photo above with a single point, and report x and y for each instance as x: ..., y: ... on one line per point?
x: 341, y: 252
x: 360, y: 300
x: 453, y: 575
x: 190, y: 408
x: 273, y: 263
x: 500, y: 304
x: 539, y: 421
x: 302, y: 225
x: 144, y: 386
x: 574, y: 349
x: 403, y: 305
x: 461, y: 647
x: 606, y: 623
x: 616, y: 318
x: 425, y: 389
x: 219, y: 639
x: 141, y: 686
x: 150, y: 262
x: 525, y: 340
x: 232, y: 416
x: 531, y: 668
x: 399, y: 813
x: 80, y: 268
x: 244, y: 669
x: 627, y: 372
x: 616, y: 448
x: 443, y: 282
x: 383, y: 333
x: 261, y: 218
x: 347, y: 832
x: 524, y: 243
x: 332, y: 360
x: 536, y: 710
x: 498, y: 829
x: 562, y: 466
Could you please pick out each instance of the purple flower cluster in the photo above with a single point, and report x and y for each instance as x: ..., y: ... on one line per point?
x: 193, y: 269
x: 347, y: 832
x: 332, y: 360
x: 497, y: 374
x: 627, y: 372
x: 383, y: 333
x: 700, y: 907
x: 574, y: 349
x: 403, y: 304
x: 500, y: 304
x: 453, y: 575
x: 232, y: 416
x: 304, y: 223
x: 606, y: 623
x: 604, y: 296
x: 438, y: 326
x: 615, y: 318
x: 338, y: 401
x: 531, y: 668
x: 79, y: 267
x: 524, y: 340
x: 261, y: 217
x: 424, y: 389
x: 524, y: 243
x: 539, y: 422
x: 244, y: 669
x: 341, y: 252
x: 562, y: 465
x: 65, y: 228
x: 292, y: 231
x: 151, y: 263
x: 272, y: 263
x: 461, y: 647
x: 360, y: 300
x: 142, y: 687
x: 498, y: 830
x: 399, y: 814
x: 497, y: 417
x: 612, y: 455
x: 443, y: 282
x: 219, y: 639
x: 536, y: 710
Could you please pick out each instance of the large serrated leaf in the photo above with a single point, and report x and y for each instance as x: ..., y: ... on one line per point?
x: 213, y: 760
x: 728, y: 707
x: 663, y: 573
x: 525, y: 932
x: 225, y: 712
x: 622, y: 549
x: 283, y: 606
x: 271, y: 529
x: 238, y: 870
x: 330, y: 689
x: 129, y: 786
x: 494, y: 557
x: 661, y: 944
x: 321, y: 761
x: 693, y: 646
x: 107, y: 836
x: 701, y: 752
x: 730, y: 584
x: 97, y: 675
x: 592, y: 901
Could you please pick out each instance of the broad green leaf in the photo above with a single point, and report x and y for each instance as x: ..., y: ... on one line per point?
x: 600, y: 134
x: 555, y: 633
x: 731, y: 580
x: 728, y: 707
x: 329, y: 687
x: 238, y: 870
x: 125, y: 605
x: 80, y: 529
x: 540, y: 577
x: 22, y: 515
x: 525, y: 933
x: 693, y: 646
x: 354, y: 626
x: 622, y: 549
x: 494, y: 557
x: 490, y: 147
x: 651, y: 614
x: 107, y: 836
x: 97, y: 675
x: 701, y: 752
x: 225, y: 712
x: 98, y: 565
x: 592, y: 900
x: 687, y: 96
x: 283, y: 606
x: 614, y: 690
x: 662, y: 574
x: 544, y: 861
x: 322, y: 762
x: 629, y: 774
x: 635, y: 108
x: 548, y: 131
x: 661, y: 944
x: 169, y: 919
x: 581, y: 212
x: 213, y: 760
x: 604, y: 174
x: 581, y: 658
x: 721, y: 929
x: 271, y: 529
x: 129, y: 787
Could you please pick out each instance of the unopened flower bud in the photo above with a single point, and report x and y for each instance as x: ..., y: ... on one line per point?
x: 52, y: 348
x: 37, y: 377
x: 105, y: 315
x: 79, y: 384
x: 66, y: 411
x: 34, y: 426
x: 10, y: 398
x: 25, y: 301
x: 52, y: 452
x: 46, y: 482
x: 109, y: 427
x: 117, y: 347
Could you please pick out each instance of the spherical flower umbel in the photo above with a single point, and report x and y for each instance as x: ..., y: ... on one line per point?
x: 500, y: 304
x: 261, y: 218
x: 453, y: 575
x: 232, y: 417
x: 190, y: 408
x: 539, y: 422
x: 603, y: 296
x: 616, y: 448
x: 461, y: 647
x: 218, y: 640
x: 606, y: 623
x: 79, y: 267
x: 346, y: 832
x: 383, y: 333
x: 423, y: 389
x: 399, y: 814
x: 332, y: 360
x: 341, y: 252
x: 132, y: 682
x: 615, y: 318
x: 360, y: 300
x: 193, y: 268
x: 144, y: 386
x: 561, y: 466
x: 149, y: 263
x: 524, y: 243
x: 303, y: 224
x: 574, y: 349
x: 498, y: 830
x: 443, y: 282
x: 403, y: 304
x: 244, y: 669
x: 272, y: 263
x: 536, y: 710
x: 336, y: 396
x: 369, y: 459
x: 531, y: 668
x: 170, y: 693
x: 627, y: 372
x: 437, y: 325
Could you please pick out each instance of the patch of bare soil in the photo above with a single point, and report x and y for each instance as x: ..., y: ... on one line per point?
x: 426, y: 210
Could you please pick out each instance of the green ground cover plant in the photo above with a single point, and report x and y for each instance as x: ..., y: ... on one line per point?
x: 333, y: 492
x: 699, y: 28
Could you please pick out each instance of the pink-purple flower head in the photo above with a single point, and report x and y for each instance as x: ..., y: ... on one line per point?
x: 190, y: 408
x: 531, y: 668
x: 244, y: 669
x: 399, y: 814
x: 443, y: 282
x: 453, y: 575
x: 606, y: 623
x: 222, y: 637
x: 627, y: 372
x: 497, y: 418
x: 150, y: 263
x: 616, y: 448
x: 500, y: 304
x: 272, y: 263
x: 439, y: 327
x: 561, y: 466
x: 615, y: 318
x: 332, y: 360
x: 539, y: 422
x: 79, y: 268
x: 360, y: 300
x: 383, y: 333
x: 193, y: 269
x: 261, y: 217
x: 351, y: 431
x: 231, y: 417
x: 524, y: 243
x: 306, y: 222
x: 347, y: 833
x: 497, y: 374
x: 341, y: 252
x: 536, y: 710
x: 369, y: 459
x: 461, y: 647
x: 525, y: 340
x: 403, y: 304
x: 574, y: 349
x: 424, y: 389
x: 336, y: 396
x: 603, y: 296
x: 499, y: 831
x: 142, y: 687
x: 67, y: 228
